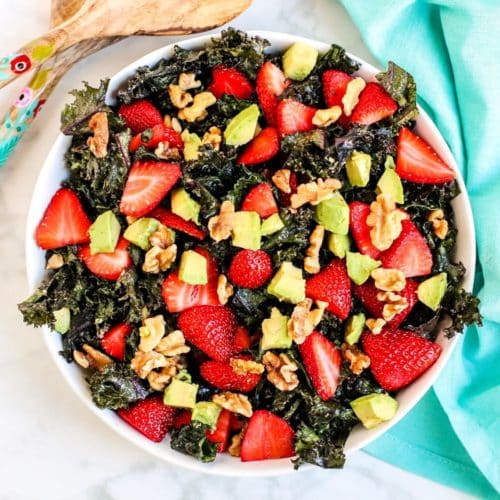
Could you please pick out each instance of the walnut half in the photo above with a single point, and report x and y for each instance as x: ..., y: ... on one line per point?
x: 98, y: 143
x: 281, y: 371
x: 235, y: 402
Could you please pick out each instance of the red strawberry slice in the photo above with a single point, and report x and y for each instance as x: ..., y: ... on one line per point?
x: 211, y: 329
x: 221, y: 432
x: 114, y: 340
x: 322, y: 361
x: 182, y: 419
x: 409, y: 253
x: 222, y: 376
x: 417, y: 162
x: 173, y: 221
x: 140, y: 115
x: 334, y: 87
x: 332, y: 285
x: 159, y: 133
x: 107, y: 265
x: 262, y: 148
x: 64, y: 222
x: 358, y: 212
x: 242, y: 340
x: 267, y: 437
x: 293, y: 116
x: 150, y: 417
x: 147, y: 184
x: 260, y: 199
x: 398, y: 357
x: 230, y: 81
x: 367, y: 293
x: 250, y: 268
x: 270, y: 84
x: 374, y: 104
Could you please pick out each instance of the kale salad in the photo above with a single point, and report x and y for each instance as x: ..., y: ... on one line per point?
x: 252, y: 249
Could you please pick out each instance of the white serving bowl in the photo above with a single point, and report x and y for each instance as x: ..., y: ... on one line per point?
x: 53, y: 172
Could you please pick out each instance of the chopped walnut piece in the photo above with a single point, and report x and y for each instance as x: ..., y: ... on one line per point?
x: 172, y: 123
x: 281, y: 180
x: 385, y: 221
x: 213, y: 137
x: 224, y: 289
x: 325, y: 117
x: 358, y: 360
x: 198, y: 110
x: 151, y: 333
x: 81, y: 359
x: 159, y: 259
x: 245, y: 366
x: 55, y: 261
x: 173, y: 344
x: 161, y: 238
x: 188, y: 81
x: 158, y: 380
x: 143, y: 363
x: 98, y: 143
x: 439, y: 223
x: 165, y: 152
x: 91, y: 358
x: 311, y: 261
x: 180, y: 98
x: 281, y: 371
x: 220, y: 226
x: 393, y: 304
x: 235, y: 402
x: 375, y: 325
x: 234, y: 448
x: 388, y: 280
x: 302, y: 321
x: 351, y: 95
x: 314, y: 192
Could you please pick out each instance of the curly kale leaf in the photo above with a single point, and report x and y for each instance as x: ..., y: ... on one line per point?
x: 336, y: 58
x: 250, y: 306
x: 309, y: 91
x: 191, y: 440
x: 463, y: 309
x: 116, y: 387
x: 246, y: 179
x: 403, y: 89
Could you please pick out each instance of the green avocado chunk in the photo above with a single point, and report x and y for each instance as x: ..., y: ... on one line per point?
x: 288, y: 284
x: 333, y: 214
x: 358, y: 168
x: 339, y: 244
x: 431, y: 291
x: 390, y: 183
x: 184, y: 206
x: 62, y: 320
x: 206, y: 412
x: 241, y: 129
x: 359, y: 266
x: 373, y: 409
x: 192, y: 143
x: 180, y: 394
x: 275, y: 332
x: 246, y: 230
x: 140, y: 230
x: 299, y: 60
x: 193, y: 268
x: 271, y: 225
x: 354, y: 328
x: 104, y: 233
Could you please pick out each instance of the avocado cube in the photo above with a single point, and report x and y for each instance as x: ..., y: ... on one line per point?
x: 299, y: 60
x: 271, y: 225
x: 193, y: 268
x: 275, y: 332
x: 373, y: 409
x: 246, y: 230
x: 206, y: 413
x: 288, y: 284
x: 333, y: 214
x: 359, y: 266
x: 62, y: 319
x: 358, y: 168
x: 431, y: 291
x: 180, y: 394
x: 241, y: 129
x: 140, y: 230
x: 354, y: 328
x: 184, y: 206
x: 192, y: 143
x: 104, y: 233
x: 390, y: 183
x: 339, y: 244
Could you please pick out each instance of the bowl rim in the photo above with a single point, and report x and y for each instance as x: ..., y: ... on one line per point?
x: 237, y: 468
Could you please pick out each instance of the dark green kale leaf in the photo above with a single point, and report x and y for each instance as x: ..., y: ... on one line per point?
x: 332, y: 327
x: 336, y: 58
x: 251, y: 306
x: 463, y: 309
x: 191, y: 440
x: 246, y: 179
x: 309, y: 91
x: 116, y: 387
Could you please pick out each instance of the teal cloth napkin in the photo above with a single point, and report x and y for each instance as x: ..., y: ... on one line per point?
x: 452, y: 47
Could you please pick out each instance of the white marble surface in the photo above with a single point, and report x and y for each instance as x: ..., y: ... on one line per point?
x: 51, y: 446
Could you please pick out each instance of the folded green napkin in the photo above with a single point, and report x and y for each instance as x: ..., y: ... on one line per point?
x: 452, y: 47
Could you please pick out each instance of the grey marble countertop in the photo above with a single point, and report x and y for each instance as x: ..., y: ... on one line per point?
x: 52, y: 446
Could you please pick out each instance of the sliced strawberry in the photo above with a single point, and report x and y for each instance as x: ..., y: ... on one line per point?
x: 322, y: 361
x: 236, y: 423
x: 267, y: 437
x: 332, y: 285
x: 211, y: 329
x: 150, y: 417
x: 409, y: 253
x: 230, y: 81
x: 64, y: 222
x: 173, y: 221
x: 159, y: 133
x: 285, y: 197
x: 222, y: 376
x: 334, y: 87
x: 263, y: 147
x: 374, y: 105
x: 221, y: 432
x: 270, y: 84
x: 293, y: 116
x: 147, y: 184
x: 140, y: 115
x: 398, y: 357
x: 417, y: 162
x: 358, y: 212
x: 115, y: 339
x: 242, y: 340
x: 250, y: 268
x: 260, y: 199
x: 367, y: 293
x: 182, y: 419
x: 107, y: 265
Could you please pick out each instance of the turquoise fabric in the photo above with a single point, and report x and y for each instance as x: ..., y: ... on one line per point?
x: 452, y: 47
